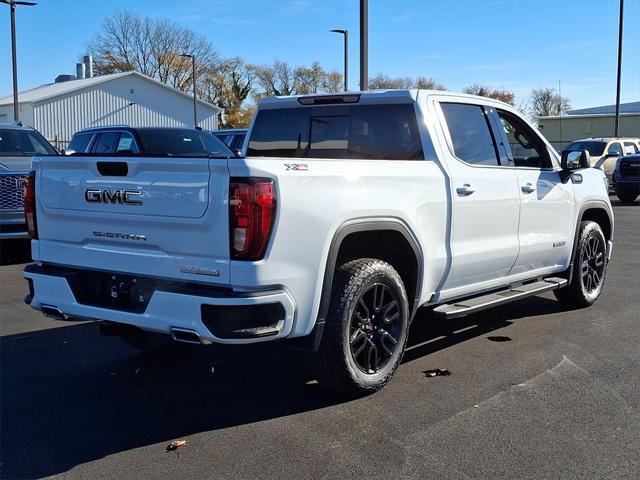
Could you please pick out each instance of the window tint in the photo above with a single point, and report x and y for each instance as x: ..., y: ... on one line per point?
x: 526, y: 149
x: 630, y: 148
x: 23, y: 143
x: 470, y: 134
x: 384, y: 132
x: 107, y: 142
x: 615, y: 148
x: 181, y: 142
x: 238, y: 140
x: 80, y: 142
x: 594, y: 148
x: 126, y: 143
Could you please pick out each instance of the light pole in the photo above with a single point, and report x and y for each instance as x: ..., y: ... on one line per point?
x: 12, y: 4
x: 617, y: 126
x: 364, y: 44
x: 193, y: 76
x: 346, y: 57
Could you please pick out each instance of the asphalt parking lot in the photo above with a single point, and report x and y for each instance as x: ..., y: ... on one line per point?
x: 534, y: 392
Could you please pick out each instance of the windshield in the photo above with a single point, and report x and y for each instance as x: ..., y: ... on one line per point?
x: 23, y: 143
x: 594, y: 148
x: 182, y: 143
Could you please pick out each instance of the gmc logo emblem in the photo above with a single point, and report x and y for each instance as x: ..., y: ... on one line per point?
x: 104, y: 195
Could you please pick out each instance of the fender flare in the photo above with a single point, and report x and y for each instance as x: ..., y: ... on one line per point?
x: 356, y: 226
x: 588, y: 205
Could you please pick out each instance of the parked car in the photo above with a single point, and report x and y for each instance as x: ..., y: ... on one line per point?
x: 125, y: 140
x: 626, y: 178
x: 233, y: 137
x: 18, y: 143
x: 348, y: 213
x: 605, y: 152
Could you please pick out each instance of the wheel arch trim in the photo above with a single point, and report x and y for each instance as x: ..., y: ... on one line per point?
x: 358, y: 225
x: 589, y: 205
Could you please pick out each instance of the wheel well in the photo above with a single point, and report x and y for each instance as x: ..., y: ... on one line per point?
x: 601, y: 217
x: 388, y: 245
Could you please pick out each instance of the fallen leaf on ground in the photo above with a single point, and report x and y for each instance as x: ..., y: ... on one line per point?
x: 436, y: 372
x: 176, y: 444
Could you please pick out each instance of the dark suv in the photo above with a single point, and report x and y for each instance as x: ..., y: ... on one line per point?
x: 18, y: 144
x: 626, y: 178
x: 125, y: 140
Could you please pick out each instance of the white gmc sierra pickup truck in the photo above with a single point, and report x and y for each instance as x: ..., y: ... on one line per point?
x: 346, y: 214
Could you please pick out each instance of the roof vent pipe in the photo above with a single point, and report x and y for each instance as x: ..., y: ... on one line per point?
x: 88, y: 64
x: 80, y: 70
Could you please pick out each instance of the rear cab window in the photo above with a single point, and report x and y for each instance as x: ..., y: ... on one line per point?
x: 365, y: 132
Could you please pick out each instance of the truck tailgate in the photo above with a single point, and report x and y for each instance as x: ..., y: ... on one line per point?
x: 166, y: 217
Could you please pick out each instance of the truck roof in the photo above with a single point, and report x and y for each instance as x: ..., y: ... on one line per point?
x: 364, y: 97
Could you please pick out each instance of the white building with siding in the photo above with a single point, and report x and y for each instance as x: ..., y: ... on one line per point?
x: 58, y: 110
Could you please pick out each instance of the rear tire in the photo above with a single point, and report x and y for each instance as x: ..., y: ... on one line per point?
x: 589, y: 268
x: 366, y: 329
x: 627, y: 197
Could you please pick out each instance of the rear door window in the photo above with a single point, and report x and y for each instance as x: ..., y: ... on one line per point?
x: 367, y: 132
x: 107, y: 142
x: 471, y: 136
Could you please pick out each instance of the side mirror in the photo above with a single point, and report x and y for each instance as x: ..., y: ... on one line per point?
x: 68, y: 152
x: 575, y: 159
x: 613, y: 154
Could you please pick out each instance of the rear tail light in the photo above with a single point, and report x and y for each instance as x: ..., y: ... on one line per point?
x: 252, y: 209
x: 29, y: 190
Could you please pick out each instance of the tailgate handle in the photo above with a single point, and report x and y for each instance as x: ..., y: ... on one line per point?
x: 113, y: 169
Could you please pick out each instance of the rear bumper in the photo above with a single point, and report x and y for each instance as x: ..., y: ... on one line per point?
x: 183, y: 309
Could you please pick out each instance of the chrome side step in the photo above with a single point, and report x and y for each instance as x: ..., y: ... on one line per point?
x: 465, y: 307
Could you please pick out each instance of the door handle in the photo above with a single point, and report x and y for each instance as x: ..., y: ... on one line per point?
x: 465, y: 190
x: 528, y: 188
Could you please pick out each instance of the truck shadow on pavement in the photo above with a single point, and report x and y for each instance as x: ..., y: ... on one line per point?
x: 70, y: 396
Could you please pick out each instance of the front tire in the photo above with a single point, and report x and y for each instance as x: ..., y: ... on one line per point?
x: 589, y: 268
x: 365, y: 330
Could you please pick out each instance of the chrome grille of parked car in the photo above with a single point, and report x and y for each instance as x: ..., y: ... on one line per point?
x: 11, y: 195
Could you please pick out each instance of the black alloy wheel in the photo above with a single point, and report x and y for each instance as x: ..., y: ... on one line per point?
x: 375, y: 328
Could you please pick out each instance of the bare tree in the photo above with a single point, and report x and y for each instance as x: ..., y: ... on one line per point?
x: 428, y: 83
x: 382, y: 82
x: 280, y: 78
x: 497, y: 94
x: 546, y: 102
x: 127, y: 41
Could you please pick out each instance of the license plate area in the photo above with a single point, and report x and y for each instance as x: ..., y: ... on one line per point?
x: 114, y: 291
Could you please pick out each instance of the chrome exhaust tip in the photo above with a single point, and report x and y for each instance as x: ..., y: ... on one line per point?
x: 50, y: 311
x: 185, y: 335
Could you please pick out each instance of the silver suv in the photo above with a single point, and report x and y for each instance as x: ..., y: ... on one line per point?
x: 18, y: 144
x: 605, y: 152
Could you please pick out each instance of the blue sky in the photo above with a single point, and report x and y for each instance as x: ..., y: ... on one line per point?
x: 513, y: 44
